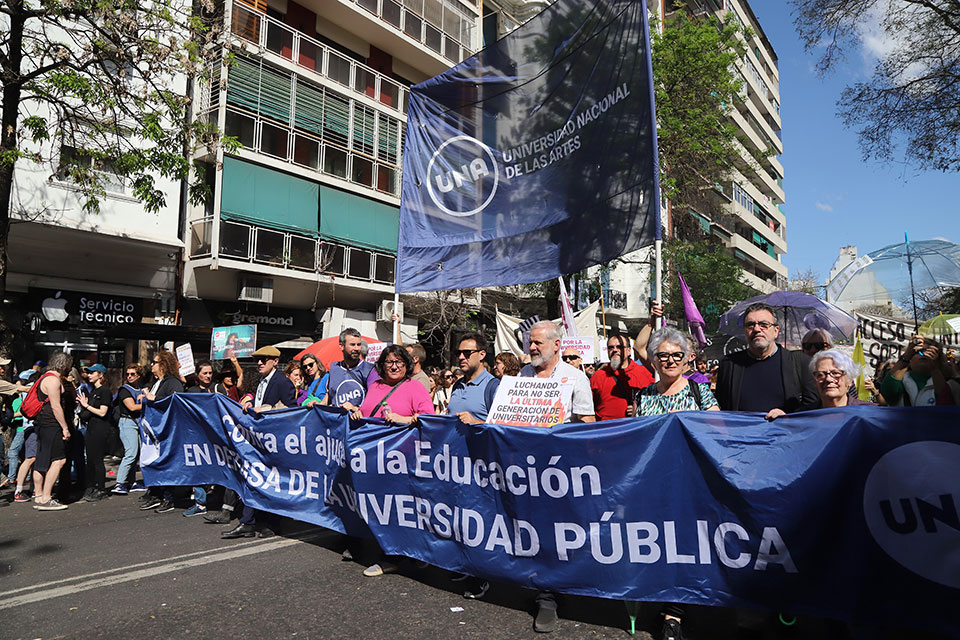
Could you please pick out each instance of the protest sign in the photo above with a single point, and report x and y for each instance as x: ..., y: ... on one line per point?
x: 185, y: 358
x: 584, y: 347
x: 751, y: 516
x: 375, y: 349
x: 236, y: 341
x: 885, y: 338
x: 531, y: 402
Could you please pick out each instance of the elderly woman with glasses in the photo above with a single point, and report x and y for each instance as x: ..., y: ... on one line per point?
x: 833, y: 372
x: 395, y: 397
x: 669, y: 350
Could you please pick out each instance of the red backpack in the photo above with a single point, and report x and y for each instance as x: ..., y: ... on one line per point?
x: 32, y: 404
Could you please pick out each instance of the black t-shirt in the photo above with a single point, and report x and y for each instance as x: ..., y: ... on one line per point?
x: 99, y: 397
x: 123, y: 394
x: 762, y: 385
x: 198, y: 389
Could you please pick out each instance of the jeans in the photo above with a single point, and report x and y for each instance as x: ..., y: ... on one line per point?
x: 200, y: 495
x: 130, y: 437
x: 13, y: 455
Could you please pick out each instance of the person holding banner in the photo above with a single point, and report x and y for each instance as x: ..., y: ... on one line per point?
x: 314, y: 380
x: 165, y: 368
x: 473, y: 394
x: 395, y: 397
x: 348, y: 379
x: 273, y: 388
x: 545, y: 362
x: 669, y: 350
x: 765, y: 377
x: 833, y: 372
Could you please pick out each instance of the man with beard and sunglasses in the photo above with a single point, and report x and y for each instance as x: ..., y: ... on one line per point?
x: 615, y: 384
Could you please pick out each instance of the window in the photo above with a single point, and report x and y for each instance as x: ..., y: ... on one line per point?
x: 73, y: 159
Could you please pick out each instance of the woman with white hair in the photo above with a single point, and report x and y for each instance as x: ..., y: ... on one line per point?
x: 833, y: 372
x: 668, y: 350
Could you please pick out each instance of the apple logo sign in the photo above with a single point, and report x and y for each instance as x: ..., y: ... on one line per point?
x: 53, y: 309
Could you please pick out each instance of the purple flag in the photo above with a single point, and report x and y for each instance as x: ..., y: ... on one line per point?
x: 692, y: 313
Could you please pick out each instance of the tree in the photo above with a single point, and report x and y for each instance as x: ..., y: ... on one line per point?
x: 807, y: 281
x: 108, y: 80
x: 696, y: 85
x: 440, y: 313
x: 712, y: 274
x: 912, y: 97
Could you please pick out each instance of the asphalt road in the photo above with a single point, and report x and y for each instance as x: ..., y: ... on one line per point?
x: 109, y: 570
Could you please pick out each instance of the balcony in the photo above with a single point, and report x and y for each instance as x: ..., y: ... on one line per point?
x: 279, y: 114
x: 268, y: 34
x: 755, y: 254
x: 444, y: 29
x: 299, y: 255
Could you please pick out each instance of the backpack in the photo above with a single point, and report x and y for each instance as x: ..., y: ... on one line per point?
x: 31, y: 405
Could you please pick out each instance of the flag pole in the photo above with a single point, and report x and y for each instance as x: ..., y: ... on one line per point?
x: 396, y: 317
x: 603, y: 310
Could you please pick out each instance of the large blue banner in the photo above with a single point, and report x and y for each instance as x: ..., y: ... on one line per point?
x: 536, y: 157
x: 848, y: 514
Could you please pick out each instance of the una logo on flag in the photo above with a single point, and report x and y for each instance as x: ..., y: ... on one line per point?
x: 462, y: 177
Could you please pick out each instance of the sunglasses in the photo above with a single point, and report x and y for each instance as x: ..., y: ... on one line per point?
x: 309, y: 365
x: 570, y: 358
x: 466, y: 353
x: 813, y: 345
x: 762, y: 325
x: 448, y: 375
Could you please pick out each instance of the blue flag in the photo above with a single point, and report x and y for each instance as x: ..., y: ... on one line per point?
x: 535, y: 158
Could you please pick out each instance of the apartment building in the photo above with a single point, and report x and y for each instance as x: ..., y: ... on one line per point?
x: 748, y: 214
x: 304, y: 215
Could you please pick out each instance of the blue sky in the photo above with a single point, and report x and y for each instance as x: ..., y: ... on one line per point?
x: 834, y: 197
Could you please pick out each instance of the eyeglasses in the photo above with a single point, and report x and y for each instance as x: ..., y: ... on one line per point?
x: 763, y: 324
x: 819, y: 376
x: 466, y: 353
x: 570, y: 358
x: 664, y: 356
x: 394, y: 364
x: 813, y: 345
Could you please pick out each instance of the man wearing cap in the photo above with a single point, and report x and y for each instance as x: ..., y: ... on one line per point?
x: 97, y: 402
x: 274, y: 388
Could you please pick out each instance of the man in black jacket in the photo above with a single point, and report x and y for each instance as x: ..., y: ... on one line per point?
x: 765, y: 377
x: 274, y: 389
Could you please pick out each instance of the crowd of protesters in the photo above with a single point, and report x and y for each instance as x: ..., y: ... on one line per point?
x: 62, y: 448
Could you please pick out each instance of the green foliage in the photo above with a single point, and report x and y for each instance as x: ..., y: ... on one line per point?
x: 696, y: 86
x: 712, y: 274
x: 101, y: 87
x: 909, y: 106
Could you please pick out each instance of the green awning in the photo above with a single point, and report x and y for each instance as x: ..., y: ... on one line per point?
x: 358, y: 221
x: 269, y: 198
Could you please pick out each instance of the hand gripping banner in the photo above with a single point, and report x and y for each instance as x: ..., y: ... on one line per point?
x: 849, y: 514
x: 535, y: 158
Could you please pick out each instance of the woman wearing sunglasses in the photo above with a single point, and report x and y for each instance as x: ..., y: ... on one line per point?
x: 669, y: 351
x: 314, y: 380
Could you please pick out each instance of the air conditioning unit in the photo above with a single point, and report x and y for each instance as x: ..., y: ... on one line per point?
x: 255, y: 289
x: 386, y: 310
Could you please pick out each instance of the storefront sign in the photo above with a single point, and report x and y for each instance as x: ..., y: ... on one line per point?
x: 87, y: 309
x: 211, y: 313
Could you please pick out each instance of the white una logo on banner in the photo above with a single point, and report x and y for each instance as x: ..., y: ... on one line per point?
x: 913, y: 516
x: 462, y: 176
x: 149, y: 445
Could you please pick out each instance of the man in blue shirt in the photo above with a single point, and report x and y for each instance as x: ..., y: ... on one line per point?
x: 473, y: 394
x: 347, y: 381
